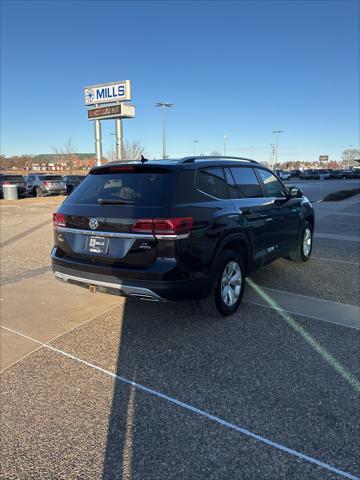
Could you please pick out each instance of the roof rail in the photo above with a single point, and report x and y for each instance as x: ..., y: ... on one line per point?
x: 215, y: 157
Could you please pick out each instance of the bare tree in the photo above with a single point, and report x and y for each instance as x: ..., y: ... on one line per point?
x: 133, y: 150
x: 349, y: 155
x: 66, y: 154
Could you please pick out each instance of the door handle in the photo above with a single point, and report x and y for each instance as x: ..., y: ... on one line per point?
x: 246, y: 211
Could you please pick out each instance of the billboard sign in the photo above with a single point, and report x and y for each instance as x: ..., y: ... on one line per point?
x: 108, y: 93
x: 323, y: 158
x: 115, y: 111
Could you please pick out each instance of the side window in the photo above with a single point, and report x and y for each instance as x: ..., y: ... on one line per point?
x: 212, y: 182
x: 246, y: 182
x: 273, y: 188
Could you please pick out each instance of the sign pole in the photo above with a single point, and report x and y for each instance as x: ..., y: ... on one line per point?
x: 98, y: 148
x: 119, y: 139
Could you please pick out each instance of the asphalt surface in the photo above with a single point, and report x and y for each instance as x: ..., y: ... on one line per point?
x: 290, y: 378
x: 316, y: 190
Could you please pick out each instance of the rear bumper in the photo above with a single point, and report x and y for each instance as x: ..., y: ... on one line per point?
x: 118, y: 284
x: 62, y: 191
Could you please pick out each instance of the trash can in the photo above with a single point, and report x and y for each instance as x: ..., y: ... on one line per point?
x: 10, y: 192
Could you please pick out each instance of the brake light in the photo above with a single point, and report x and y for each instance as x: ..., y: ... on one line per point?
x: 59, y: 220
x: 165, y: 228
x: 172, y: 226
x: 144, y: 225
x: 6, y: 183
x: 47, y: 184
x: 121, y: 169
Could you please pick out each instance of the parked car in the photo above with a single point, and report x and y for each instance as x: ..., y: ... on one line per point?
x: 309, y: 175
x: 295, y: 173
x: 172, y: 230
x: 72, y: 181
x: 283, y: 174
x: 11, y: 179
x: 351, y: 174
x: 44, y: 184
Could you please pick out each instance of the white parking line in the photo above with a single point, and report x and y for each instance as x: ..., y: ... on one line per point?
x: 196, y: 410
x: 334, y: 260
x: 311, y: 307
x: 334, y: 236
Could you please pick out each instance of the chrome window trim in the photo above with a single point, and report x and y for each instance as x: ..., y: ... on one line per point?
x: 105, y: 234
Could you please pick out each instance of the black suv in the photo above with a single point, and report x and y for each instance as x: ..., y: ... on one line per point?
x: 172, y: 230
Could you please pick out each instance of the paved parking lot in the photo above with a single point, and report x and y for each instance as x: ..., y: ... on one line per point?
x: 99, y: 387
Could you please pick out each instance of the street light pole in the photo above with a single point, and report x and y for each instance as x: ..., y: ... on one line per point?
x: 225, y: 137
x: 272, y: 156
x: 164, y: 106
x: 277, y: 132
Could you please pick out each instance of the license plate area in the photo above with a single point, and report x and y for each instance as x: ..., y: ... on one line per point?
x: 97, y: 244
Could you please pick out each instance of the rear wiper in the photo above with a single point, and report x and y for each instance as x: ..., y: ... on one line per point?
x: 114, y: 201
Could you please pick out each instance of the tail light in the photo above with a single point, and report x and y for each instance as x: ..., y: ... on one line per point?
x: 59, y: 220
x: 165, y: 228
x: 6, y: 183
x: 47, y: 184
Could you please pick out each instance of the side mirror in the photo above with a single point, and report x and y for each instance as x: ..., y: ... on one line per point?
x: 295, y: 192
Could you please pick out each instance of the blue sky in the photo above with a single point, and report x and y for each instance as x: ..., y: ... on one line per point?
x: 237, y: 68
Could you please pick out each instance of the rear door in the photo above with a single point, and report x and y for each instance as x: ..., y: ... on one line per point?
x: 254, y: 213
x: 103, y: 215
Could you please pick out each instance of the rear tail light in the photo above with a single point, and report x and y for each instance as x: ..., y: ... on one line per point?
x: 59, y: 220
x: 47, y: 184
x: 165, y: 228
x: 6, y: 183
x: 144, y: 225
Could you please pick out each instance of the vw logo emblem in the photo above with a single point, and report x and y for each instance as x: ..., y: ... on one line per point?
x: 90, y: 95
x: 93, y: 223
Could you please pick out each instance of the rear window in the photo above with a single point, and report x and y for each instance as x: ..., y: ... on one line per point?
x: 12, y: 178
x: 246, y: 183
x: 212, y: 182
x: 56, y: 178
x: 150, y: 188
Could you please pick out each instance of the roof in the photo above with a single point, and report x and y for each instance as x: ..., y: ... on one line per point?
x: 186, y: 161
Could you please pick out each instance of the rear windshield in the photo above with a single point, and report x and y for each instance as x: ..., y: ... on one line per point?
x: 12, y: 178
x: 150, y: 188
x: 56, y: 178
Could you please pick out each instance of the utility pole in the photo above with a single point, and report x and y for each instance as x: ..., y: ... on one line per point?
x: 164, y: 106
x: 277, y: 132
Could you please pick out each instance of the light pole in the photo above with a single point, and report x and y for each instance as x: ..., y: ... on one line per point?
x: 164, y: 106
x: 195, y: 142
x: 277, y: 132
x: 272, y: 155
x: 225, y: 137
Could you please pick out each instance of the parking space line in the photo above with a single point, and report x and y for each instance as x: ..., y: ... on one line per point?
x: 54, y: 338
x: 316, y: 308
x: 345, y: 214
x: 196, y: 410
x: 327, y: 356
x: 334, y: 236
x: 334, y: 260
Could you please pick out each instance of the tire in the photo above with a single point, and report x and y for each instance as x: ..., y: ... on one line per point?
x: 39, y: 192
x: 302, y: 252
x: 229, y: 263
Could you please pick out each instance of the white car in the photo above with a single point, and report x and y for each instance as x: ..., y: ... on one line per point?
x: 284, y: 175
